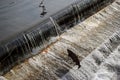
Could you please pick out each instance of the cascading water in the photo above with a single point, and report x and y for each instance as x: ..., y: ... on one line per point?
x: 84, y: 40
x: 36, y: 39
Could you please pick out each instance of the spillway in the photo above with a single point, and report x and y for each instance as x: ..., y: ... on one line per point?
x: 40, y: 52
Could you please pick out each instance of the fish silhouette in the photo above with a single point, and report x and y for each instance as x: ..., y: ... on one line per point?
x: 74, y: 57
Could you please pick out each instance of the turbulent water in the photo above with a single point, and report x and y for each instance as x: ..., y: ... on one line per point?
x: 90, y: 42
x: 29, y: 42
x: 95, y: 42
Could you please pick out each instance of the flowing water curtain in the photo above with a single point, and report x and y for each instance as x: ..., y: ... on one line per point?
x: 30, y: 42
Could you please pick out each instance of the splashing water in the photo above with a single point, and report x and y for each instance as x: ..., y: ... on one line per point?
x: 34, y: 40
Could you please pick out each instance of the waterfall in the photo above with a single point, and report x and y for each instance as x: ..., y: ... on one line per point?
x: 95, y: 44
x: 36, y: 39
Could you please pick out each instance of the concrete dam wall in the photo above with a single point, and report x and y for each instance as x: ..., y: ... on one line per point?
x: 53, y: 41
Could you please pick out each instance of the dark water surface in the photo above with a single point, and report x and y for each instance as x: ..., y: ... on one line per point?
x: 19, y: 15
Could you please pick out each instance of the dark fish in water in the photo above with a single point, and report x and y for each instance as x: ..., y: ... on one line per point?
x: 74, y: 57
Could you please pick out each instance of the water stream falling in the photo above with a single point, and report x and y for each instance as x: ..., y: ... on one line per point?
x: 34, y: 40
x: 90, y: 42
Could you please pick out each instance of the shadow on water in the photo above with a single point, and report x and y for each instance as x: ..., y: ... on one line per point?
x: 42, y: 6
